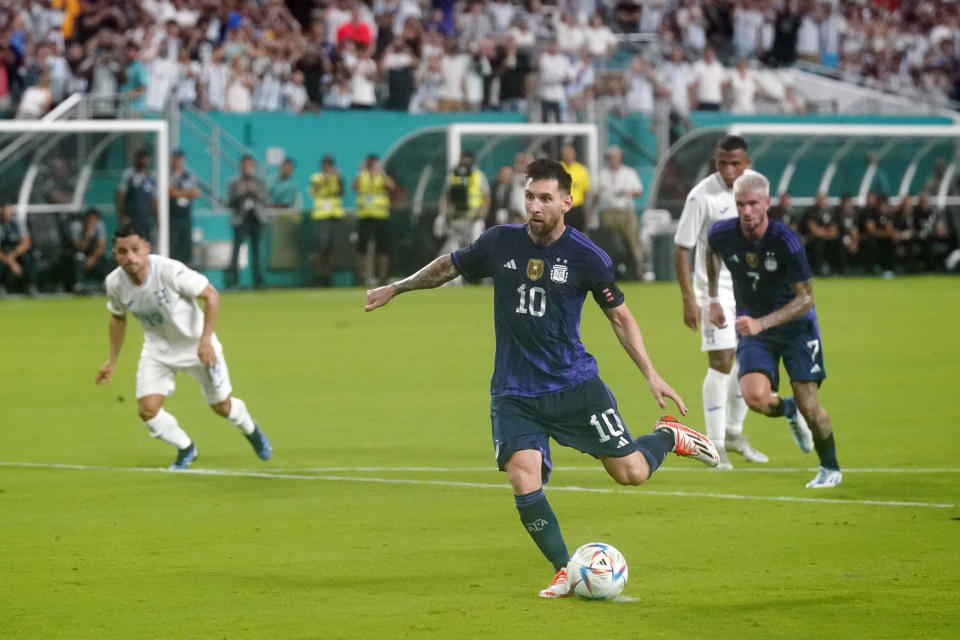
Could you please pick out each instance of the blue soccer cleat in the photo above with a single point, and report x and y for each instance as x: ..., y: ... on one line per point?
x: 184, y: 457
x: 260, y: 443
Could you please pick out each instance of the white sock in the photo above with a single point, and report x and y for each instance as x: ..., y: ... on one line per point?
x: 165, y: 427
x: 736, y: 407
x: 715, y: 405
x: 240, y: 416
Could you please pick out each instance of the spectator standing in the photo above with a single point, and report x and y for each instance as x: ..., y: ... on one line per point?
x: 576, y: 216
x: 136, y: 196
x: 162, y: 73
x: 501, y: 13
x: 808, y: 38
x: 832, y: 26
x: 293, y: 94
x: 642, y: 86
x: 511, y: 68
x: 399, y: 65
x: 16, y: 262
x: 677, y: 76
x: 247, y: 198
x: 747, y: 23
x: 744, y: 87
x: 707, y: 85
x: 453, y: 67
x: 238, y: 97
x: 373, y: 187
x: 363, y: 77
x: 554, y: 75
x: 474, y: 25
x: 617, y: 186
x: 284, y: 192
x: 134, y: 83
x: 571, y: 36
x: 600, y: 38
x: 326, y: 187
x: 183, y: 191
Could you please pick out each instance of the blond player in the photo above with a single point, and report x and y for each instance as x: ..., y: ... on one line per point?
x: 709, y: 201
x: 177, y: 336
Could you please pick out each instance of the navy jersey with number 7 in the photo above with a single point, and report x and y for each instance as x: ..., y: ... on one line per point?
x: 763, y: 273
x: 538, y: 297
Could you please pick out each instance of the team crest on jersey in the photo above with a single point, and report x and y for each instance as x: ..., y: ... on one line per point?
x: 558, y: 273
x: 770, y: 261
x: 534, y: 268
x: 753, y: 261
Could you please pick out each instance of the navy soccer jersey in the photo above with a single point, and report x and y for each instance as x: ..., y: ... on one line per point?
x: 538, y: 297
x: 763, y: 273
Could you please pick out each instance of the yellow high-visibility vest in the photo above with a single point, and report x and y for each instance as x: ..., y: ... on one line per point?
x: 580, y: 178
x: 373, y: 200
x: 474, y: 188
x: 327, y: 202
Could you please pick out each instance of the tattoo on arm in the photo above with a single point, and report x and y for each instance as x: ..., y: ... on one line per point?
x: 801, y: 303
x: 433, y: 275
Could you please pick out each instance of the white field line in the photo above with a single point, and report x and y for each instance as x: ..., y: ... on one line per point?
x: 752, y: 468
x: 476, y: 485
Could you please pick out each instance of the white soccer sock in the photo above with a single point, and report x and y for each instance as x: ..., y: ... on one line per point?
x: 165, y: 427
x: 715, y: 405
x: 736, y: 407
x: 240, y: 416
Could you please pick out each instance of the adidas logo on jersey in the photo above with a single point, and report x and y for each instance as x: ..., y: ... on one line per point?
x: 510, y: 264
x: 623, y: 442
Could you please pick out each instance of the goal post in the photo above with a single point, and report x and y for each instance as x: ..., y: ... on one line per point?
x: 456, y: 133
x: 41, y: 129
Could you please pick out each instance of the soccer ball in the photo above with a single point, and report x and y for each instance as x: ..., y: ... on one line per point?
x: 597, y: 571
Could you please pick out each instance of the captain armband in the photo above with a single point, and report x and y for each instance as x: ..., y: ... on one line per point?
x: 608, y: 296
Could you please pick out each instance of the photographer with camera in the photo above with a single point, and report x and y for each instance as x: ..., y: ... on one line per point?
x: 373, y: 187
x: 462, y: 207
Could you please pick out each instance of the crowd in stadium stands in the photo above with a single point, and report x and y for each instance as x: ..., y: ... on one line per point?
x: 446, y: 55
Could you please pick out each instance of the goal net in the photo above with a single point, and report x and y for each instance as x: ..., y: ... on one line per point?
x: 56, y: 169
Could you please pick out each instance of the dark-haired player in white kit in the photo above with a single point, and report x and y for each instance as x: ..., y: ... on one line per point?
x: 545, y: 384
x: 177, y: 336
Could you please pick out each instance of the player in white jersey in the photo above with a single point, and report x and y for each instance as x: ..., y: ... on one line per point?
x: 709, y: 201
x: 177, y: 336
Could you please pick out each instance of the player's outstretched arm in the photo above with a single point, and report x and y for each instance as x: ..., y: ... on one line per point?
x: 433, y: 275
x: 628, y: 333
x: 802, y: 303
x: 117, y: 330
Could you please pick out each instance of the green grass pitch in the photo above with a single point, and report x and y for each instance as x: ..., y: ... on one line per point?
x: 382, y: 516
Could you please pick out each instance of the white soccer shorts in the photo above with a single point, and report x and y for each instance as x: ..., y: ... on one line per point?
x: 156, y: 376
x: 713, y: 338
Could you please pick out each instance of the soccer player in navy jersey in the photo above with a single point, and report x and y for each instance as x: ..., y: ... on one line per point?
x: 545, y: 384
x: 775, y: 316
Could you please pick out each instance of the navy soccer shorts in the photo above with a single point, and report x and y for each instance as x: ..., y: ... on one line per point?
x: 584, y: 418
x: 798, y: 344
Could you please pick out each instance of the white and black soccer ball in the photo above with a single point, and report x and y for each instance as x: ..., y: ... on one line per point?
x: 597, y: 571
